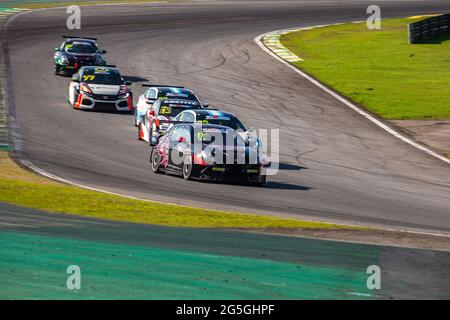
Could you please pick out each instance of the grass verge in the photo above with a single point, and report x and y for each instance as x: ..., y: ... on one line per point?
x: 378, y: 69
x: 21, y: 187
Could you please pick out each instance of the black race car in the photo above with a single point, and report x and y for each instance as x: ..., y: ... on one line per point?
x: 76, y: 52
x: 209, y: 152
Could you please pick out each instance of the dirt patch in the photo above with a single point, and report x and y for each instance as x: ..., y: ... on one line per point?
x: 371, y: 236
x: 434, y: 133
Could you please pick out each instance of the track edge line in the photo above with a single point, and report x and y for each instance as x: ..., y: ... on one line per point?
x: 260, y: 42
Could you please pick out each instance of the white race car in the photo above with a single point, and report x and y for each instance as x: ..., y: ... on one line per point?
x: 100, y: 88
x: 157, y: 119
x: 156, y: 91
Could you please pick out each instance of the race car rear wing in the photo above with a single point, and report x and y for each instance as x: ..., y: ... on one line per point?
x: 161, y: 85
x: 78, y: 37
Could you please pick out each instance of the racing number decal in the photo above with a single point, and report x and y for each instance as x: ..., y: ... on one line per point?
x: 165, y: 110
x: 200, y: 135
x: 203, y: 121
x: 88, y: 77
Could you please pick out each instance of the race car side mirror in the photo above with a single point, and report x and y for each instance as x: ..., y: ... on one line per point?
x: 128, y: 83
x: 56, y: 49
x: 75, y: 79
x: 103, y: 51
x: 205, y: 105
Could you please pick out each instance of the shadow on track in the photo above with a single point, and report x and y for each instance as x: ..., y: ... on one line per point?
x: 284, y: 186
x: 134, y: 79
x: 290, y: 166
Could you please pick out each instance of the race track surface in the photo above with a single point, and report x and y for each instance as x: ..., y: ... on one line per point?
x: 129, y: 261
x: 335, y: 165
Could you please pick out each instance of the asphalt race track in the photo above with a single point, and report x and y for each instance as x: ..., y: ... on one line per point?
x: 335, y: 165
x: 407, y: 273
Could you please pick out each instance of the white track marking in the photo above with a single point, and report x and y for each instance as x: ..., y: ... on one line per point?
x: 267, y: 48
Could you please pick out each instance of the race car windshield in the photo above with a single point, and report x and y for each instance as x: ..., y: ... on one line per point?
x: 230, y: 122
x: 80, y: 48
x: 218, y: 138
x: 110, y: 78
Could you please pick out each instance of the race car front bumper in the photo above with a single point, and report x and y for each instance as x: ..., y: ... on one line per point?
x: 70, y: 68
x: 104, y: 102
x: 232, y: 173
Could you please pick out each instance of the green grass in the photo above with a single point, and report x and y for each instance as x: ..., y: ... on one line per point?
x: 378, y: 69
x: 23, y: 188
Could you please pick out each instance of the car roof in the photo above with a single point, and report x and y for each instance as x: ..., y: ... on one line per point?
x: 176, y: 100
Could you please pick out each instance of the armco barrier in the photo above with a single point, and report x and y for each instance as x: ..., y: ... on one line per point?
x: 429, y: 28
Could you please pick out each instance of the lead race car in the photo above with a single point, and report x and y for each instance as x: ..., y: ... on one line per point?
x: 76, y: 52
x: 156, y: 91
x: 101, y: 88
x: 208, y: 152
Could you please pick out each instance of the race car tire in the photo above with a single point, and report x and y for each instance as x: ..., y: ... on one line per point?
x: 150, y: 135
x: 155, y: 159
x: 261, y: 182
x: 135, y: 117
x: 187, y: 168
x: 57, y: 70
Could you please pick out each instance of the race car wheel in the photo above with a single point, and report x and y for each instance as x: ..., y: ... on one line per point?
x: 135, y: 117
x: 187, y: 168
x: 150, y: 132
x: 155, y: 159
x: 261, y: 182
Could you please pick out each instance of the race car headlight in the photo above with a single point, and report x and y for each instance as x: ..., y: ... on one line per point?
x: 122, y: 96
x: 85, y: 88
x: 64, y: 59
x: 208, y: 158
x: 123, y: 90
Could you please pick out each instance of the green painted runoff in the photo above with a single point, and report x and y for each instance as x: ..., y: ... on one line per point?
x: 34, y: 267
